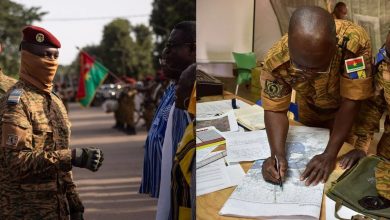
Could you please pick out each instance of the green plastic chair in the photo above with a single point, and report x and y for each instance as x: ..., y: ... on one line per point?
x: 245, y: 63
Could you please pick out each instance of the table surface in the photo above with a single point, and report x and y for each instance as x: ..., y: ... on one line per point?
x: 208, y: 205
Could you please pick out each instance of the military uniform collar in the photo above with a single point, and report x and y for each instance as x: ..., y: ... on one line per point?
x: 32, y: 87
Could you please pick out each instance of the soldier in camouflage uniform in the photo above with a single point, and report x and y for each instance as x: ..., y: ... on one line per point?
x: 35, y: 159
x: 127, y: 106
x: 119, y: 114
x: 310, y: 60
x: 370, y: 115
x: 6, y: 82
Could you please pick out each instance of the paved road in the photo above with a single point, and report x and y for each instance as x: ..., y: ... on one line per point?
x: 112, y: 192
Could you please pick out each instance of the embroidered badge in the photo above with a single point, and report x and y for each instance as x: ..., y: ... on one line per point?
x: 355, y: 64
x: 40, y: 37
x: 12, y: 140
x: 14, y: 96
x: 361, y: 74
x: 273, y: 89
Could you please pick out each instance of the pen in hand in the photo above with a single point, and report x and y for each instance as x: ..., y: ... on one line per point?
x: 278, y: 169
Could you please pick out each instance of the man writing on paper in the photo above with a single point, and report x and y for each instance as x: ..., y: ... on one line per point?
x: 328, y: 63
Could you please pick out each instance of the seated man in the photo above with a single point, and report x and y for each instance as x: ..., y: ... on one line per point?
x: 310, y: 59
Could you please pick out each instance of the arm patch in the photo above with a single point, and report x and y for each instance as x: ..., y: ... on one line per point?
x: 274, y: 89
x: 14, y: 97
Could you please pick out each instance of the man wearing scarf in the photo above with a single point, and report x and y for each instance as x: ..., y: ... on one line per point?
x: 35, y: 158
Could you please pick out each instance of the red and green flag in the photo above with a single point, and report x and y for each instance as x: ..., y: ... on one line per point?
x: 355, y: 64
x: 92, y: 75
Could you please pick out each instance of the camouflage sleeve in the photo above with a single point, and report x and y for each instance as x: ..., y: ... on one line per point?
x: 17, y: 146
x: 369, y: 115
x: 275, y: 93
x: 74, y: 201
x: 357, y: 83
x: 382, y: 177
x: 371, y: 112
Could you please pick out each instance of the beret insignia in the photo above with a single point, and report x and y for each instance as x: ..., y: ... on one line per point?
x: 40, y: 37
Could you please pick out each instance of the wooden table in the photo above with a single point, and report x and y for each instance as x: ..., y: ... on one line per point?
x: 208, y: 205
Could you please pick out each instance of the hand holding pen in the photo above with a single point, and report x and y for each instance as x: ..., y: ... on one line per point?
x: 277, y: 166
x: 274, y: 169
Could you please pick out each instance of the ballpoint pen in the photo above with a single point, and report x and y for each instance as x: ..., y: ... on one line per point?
x: 278, y: 169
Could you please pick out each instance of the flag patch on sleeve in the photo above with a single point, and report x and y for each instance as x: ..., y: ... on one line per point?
x: 361, y: 74
x: 355, y: 64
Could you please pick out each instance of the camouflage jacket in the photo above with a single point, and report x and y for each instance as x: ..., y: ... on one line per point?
x: 6, y: 82
x: 326, y: 90
x: 35, y: 159
x: 372, y: 109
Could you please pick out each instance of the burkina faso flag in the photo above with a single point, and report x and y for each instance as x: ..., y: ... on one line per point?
x: 355, y: 64
x: 92, y: 74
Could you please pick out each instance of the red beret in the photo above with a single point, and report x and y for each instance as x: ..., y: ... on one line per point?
x: 40, y: 36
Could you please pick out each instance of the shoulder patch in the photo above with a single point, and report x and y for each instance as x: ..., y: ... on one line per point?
x: 273, y: 89
x: 355, y: 64
x: 14, y: 96
x: 380, y: 56
x: 360, y: 74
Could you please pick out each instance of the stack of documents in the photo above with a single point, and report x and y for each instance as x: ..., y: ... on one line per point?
x: 208, y: 136
x: 210, y: 109
x: 224, y: 122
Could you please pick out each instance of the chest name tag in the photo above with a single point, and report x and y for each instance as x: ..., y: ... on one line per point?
x: 14, y: 96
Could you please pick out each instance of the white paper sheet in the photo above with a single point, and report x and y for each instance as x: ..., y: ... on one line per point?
x: 257, y: 198
x: 210, y: 109
x: 344, y: 212
x: 217, y: 176
x: 204, y: 153
x: 224, y: 122
x: 247, y: 146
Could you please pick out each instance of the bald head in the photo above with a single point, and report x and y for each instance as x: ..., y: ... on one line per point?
x: 340, y: 10
x: 312, y: 37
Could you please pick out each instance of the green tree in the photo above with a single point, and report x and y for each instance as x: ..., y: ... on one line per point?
x: 13, y: 17
x: 117, y: 47
x: 165, y: 14
x: 143, y: 50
